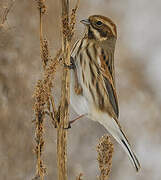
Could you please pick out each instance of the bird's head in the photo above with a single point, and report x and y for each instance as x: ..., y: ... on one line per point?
x: 100, y: 28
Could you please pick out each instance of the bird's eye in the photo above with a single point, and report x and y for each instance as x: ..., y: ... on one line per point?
x: 99, y: 23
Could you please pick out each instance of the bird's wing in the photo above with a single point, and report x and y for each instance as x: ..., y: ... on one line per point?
x: 108, y: 57
x: 109, y: 85
x: 76, y: 48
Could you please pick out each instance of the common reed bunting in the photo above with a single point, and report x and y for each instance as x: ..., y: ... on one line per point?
x: 93, y: 91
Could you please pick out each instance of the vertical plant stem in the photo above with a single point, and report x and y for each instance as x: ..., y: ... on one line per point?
x: 40, y: 26
x: 39, y: 147
x: 65, y: 93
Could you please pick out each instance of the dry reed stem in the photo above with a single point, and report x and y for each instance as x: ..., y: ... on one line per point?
x: 65, y: 91
x: 43, y: 42
x: 61, y: 132
x: 40, y: 97
x: 105, y: 151
x: 43, y: 99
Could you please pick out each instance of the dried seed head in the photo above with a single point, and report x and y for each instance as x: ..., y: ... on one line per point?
x: 41, y: 6
x: 73, y: 20
x: 45, y: 51
x: 105, y: 150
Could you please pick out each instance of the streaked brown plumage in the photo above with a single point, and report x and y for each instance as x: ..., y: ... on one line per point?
x: 93, y: 90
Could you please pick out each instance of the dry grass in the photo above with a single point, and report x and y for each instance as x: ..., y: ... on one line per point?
x: 43, y: 98
x: 73, y: 19
x: 43, y: 101
x: 65, y: 91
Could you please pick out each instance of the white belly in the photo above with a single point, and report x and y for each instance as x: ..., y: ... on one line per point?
x: 79, y: 103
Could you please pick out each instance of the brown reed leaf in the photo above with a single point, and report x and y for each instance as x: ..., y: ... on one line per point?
x: 105, y: 151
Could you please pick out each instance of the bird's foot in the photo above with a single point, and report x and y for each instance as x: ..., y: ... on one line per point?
x: 72, y: 121
x: 72, y: 64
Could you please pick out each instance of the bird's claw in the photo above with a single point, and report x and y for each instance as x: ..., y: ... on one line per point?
x: 72, y: 64
x: 69, y: 126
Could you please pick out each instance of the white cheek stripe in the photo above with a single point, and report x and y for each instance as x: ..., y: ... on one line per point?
x: 96, y: 33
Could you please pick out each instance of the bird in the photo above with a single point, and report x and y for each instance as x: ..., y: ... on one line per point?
x: 92, y: 86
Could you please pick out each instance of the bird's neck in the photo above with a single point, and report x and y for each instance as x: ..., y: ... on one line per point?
x: 109, y: 43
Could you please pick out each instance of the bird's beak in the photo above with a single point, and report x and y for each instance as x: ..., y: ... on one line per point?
x: 85, y: 22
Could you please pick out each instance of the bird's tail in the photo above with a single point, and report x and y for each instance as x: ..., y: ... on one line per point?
x: 126, y: 146
x: 114, y: 129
